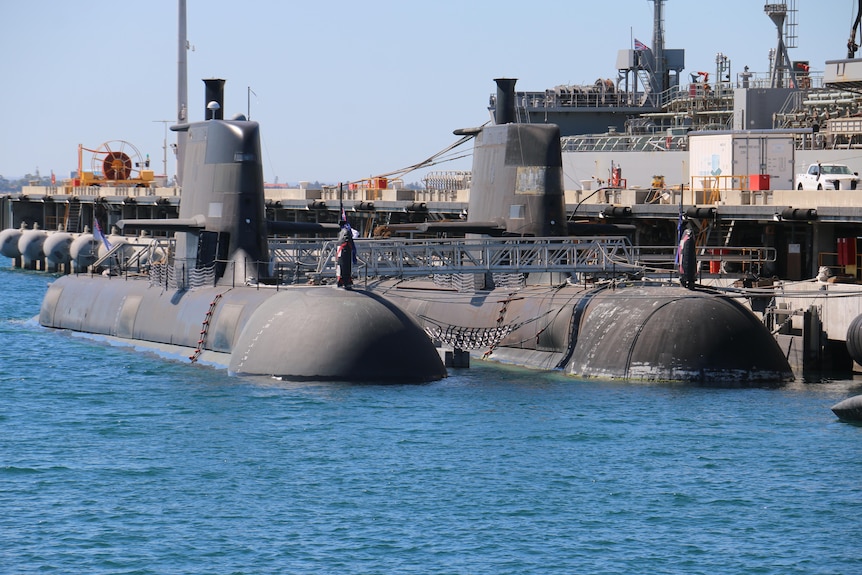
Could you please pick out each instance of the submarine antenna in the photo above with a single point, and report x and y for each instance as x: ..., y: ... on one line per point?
x: 248, y: 102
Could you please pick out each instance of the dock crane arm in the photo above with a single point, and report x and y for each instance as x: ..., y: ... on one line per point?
x: 852, y: 46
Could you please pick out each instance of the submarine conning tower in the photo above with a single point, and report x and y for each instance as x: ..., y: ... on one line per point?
x: 222, y: 219
x: 518, y: 173
x: 224, y: 183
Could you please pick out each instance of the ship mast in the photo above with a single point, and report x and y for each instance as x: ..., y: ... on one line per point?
x: 779, y: 13
x: 182, y: 87
x: 659, y: 81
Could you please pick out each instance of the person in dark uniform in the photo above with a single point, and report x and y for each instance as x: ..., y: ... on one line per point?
x: 687, y: 257
x: 344, y: 256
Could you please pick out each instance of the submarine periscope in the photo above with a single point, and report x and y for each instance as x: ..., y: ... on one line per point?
x: 209, y: 298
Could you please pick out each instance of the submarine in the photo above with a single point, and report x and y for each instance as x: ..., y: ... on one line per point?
x: 212, y: 299
x: 850, y: 409
x: 622, y: 327
x: 544, y: 301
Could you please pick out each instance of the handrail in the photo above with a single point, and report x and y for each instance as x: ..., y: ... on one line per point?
x: 110, y: 253
x: 298, y: 260
x: 665, y: 255
x: 405, y: 258
x: 141, y: 248
x: 393, y: 258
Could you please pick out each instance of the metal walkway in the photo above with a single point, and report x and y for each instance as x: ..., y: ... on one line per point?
x: 402, y: 258
x: 315, y: 259
x: 456, y: 261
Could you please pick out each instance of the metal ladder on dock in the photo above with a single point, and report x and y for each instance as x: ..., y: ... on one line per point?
x: 72, y: 222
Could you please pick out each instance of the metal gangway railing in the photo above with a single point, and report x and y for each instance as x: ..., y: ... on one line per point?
x: 717, y: 259
x: 451, y: 261
x: 404, y: 258
x: 299, y: 260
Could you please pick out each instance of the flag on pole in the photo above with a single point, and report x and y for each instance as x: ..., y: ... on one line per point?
x: 97, y: 233
x: 679, y: 233
x: 640, y: 46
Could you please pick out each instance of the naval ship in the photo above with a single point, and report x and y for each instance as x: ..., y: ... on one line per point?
x: 633, y: 130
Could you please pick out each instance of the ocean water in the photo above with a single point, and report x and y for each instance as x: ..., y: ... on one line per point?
x: 113, y: 461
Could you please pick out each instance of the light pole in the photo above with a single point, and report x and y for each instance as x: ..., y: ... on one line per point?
x: 165, y: 147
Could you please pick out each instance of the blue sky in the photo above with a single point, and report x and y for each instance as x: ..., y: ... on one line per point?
x: 344, y: 89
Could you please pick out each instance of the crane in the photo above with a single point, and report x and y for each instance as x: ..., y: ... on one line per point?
x: 852, y: 46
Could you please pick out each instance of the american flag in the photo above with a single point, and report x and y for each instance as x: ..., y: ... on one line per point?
x: 640, y: 45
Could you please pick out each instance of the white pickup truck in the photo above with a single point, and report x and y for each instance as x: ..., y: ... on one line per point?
x: 827, y: 177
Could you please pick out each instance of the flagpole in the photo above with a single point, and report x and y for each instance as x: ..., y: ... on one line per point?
x: 678, y: 257
x: 340, y: 198
x: 248, y: 102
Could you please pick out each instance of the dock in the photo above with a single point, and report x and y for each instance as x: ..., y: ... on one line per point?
x: 773, y: 243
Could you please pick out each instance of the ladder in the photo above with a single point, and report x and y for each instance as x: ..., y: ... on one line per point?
x: 72, y: 222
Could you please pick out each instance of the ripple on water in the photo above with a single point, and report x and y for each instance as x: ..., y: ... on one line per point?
x: 115, y: 461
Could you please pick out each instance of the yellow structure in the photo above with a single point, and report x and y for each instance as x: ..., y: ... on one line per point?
x: 114, y: 163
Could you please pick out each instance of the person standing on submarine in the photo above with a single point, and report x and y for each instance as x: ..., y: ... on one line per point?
x: 345, y: 255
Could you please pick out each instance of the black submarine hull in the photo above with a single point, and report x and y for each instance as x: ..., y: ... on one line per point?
x: 631, y: 331
x: 297, y: 333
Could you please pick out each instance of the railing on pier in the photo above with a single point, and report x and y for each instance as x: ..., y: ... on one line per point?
x: 715, y: 259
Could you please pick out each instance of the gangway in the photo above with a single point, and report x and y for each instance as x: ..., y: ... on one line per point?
x: 297, y: 261
x: 315, y: 259
x: 411, y: 258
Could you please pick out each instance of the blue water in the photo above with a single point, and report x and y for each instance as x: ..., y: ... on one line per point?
x: 112, y: 461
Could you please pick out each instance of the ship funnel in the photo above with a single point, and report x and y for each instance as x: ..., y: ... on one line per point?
x: 214, y: 93
x: 504, y: 111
